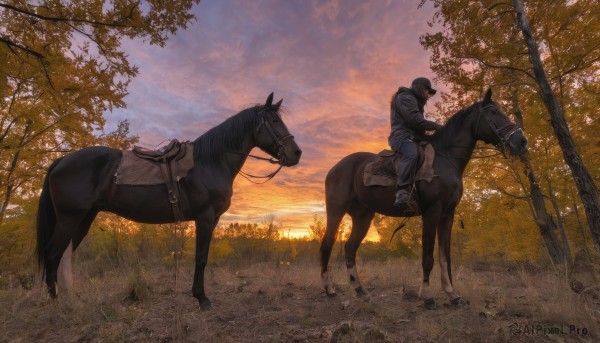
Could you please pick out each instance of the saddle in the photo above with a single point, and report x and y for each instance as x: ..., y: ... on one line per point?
x: 167, y: 165
x: 167, y: 153
x: 382, y: 171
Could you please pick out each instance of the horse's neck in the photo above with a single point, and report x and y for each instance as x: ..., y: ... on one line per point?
x: 460, y: 149
x: 237, y: 156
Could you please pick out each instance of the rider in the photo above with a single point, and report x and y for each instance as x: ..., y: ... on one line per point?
x: 408, y: 127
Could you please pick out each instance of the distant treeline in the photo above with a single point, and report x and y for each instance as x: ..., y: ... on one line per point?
x: 114, y: 243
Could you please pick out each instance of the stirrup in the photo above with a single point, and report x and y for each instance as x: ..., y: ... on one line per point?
x: 401, y: 199
x: 410, y: 207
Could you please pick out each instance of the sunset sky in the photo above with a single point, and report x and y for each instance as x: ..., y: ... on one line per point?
x: 335, y: 64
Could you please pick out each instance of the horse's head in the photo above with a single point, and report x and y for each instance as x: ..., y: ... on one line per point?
x: 493, y: 126
x: 273, y: 137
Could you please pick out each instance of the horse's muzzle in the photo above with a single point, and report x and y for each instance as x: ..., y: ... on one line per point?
x: 517, y: 143
x: 291, y: 160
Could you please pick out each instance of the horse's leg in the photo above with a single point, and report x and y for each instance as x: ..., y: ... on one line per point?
x: 430, y: 223
x: 444, y: 240
x: 205, y: 224
x: 338, y: 195
x: 65, y: 272
x: 334, y: 218
x: 61, y: 238
x: 361, y: 220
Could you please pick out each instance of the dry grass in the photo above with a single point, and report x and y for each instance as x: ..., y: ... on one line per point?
x: 265, y: 303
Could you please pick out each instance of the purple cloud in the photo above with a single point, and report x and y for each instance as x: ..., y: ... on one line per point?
x: 335, y: 63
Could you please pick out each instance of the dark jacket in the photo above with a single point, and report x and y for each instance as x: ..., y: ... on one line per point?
x: 407, y: 118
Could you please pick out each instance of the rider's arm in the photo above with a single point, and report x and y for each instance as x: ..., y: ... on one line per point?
x: 414, y: 119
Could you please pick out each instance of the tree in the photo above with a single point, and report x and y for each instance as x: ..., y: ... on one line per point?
x: 118, y: 229
x: 558, y: 253
x: 16, y: 250
x: 317, y: 228
x: 585, y: 184
x: 62, y: 69
x: 121, y: 138
x: 401, y: 235
x: 487, y: 43
x: 272, y: 228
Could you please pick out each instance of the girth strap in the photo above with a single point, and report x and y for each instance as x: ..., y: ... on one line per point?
x: 173, y: 193
x: 167, y: 158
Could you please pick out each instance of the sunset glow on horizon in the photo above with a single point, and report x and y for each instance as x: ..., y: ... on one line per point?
x: 334, y: 63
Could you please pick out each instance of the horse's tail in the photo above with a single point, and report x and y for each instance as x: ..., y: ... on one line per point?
x: 46, y: 219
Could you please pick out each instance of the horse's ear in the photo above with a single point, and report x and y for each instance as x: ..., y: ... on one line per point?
x: 277, y: 105
x: 269, y: 100
x: 488, y: 97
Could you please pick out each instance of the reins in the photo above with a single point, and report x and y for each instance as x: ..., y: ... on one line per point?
x: 269, y: 159
x: 268, y: 177
x: 487, y: 156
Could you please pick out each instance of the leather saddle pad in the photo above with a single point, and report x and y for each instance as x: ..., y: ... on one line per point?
x: 382, y: 172
x: 134, y: 170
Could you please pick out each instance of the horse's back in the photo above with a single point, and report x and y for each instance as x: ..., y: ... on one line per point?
x: 340, y: 181
x: 85, y: 169
x: 351, y: 161
x: 348, y: 166
x: 93, y: 154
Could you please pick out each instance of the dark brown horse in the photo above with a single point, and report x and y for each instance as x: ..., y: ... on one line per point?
x: 346, y: 193
x: 82, y: 183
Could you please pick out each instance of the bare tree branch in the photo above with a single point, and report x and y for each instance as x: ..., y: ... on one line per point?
x: 495, y: 66
x: 12, y: 44
x: 491, y: 7
x: 61, y: 19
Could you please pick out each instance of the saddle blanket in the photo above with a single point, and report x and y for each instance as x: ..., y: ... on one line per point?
x: 134, y: 170
x: 382, y: 171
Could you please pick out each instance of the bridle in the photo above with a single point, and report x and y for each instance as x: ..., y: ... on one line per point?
x: 497, y: 130
x: 503, y: 139
x: 278, y: 141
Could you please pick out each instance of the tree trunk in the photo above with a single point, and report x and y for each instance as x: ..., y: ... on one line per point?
x: 580, y: 225
x: 559, y: 223
x: 585, y: 185
x: 541, y: 216
x: 540, y: 213
x: 10, y: 183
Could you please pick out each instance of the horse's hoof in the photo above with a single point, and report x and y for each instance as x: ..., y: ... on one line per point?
x: 53, y: 294
x: 429, y: 304
x: 205, y: 305
x: 458, y: 302
x: 360, y: 292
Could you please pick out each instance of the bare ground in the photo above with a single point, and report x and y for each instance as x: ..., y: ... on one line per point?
x: 269, y: 303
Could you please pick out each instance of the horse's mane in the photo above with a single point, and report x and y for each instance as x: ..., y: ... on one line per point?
x: 227, y: 135
x: 444, y: 137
